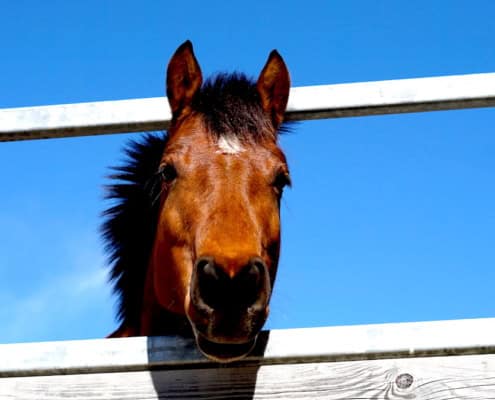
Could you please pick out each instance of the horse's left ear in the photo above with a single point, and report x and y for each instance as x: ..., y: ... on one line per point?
x: 273, y: 87
x: 183, y: 78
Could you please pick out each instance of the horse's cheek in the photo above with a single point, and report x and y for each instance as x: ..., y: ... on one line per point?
x: 269, y: 221
x: 172, y: 261
x: 272, y: 236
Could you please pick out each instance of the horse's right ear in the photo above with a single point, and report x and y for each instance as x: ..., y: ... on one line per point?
x: 273, y: 87
x: 183, y: 79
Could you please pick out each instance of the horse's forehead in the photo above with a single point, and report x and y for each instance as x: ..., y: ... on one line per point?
x: 197, y: 144
x: 231, y: 151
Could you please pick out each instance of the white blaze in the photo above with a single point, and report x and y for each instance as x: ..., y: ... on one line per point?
x: 229, y: 145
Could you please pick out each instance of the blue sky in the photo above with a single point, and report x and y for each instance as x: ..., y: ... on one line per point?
x: 390, y: 218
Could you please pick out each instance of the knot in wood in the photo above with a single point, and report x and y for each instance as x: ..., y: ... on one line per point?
x: 404, y: 381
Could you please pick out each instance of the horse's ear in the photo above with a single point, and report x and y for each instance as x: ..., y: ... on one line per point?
x: 183, y: 78
x: 273, y: 87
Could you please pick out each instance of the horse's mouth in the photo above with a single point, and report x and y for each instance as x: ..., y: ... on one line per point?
x: 224, y: 352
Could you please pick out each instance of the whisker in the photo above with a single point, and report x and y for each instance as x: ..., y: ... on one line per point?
x: 157, y: 197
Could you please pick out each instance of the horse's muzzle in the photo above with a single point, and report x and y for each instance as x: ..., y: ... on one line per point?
x: 227, y: 313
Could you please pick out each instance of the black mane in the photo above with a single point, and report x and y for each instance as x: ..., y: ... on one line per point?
x: 229, y: 105
x: 129, y: 227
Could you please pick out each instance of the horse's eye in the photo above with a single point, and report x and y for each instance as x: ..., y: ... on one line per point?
x: 281, y: 181
x: 167, y: 173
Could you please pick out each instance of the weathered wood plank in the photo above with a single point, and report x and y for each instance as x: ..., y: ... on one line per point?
x: 433, y: 378
x: 475, y: 336
x: 312, y: 102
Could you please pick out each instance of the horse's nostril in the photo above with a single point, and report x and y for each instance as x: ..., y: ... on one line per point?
x: 209, y: 287
x: 250, y: 282
x: 253, y: 270
x: 208, y: 270
x: 206, y: 267
x: 259, y: 265
x: 215, y: 289
x: 252, y: 273
x: 201, y: 263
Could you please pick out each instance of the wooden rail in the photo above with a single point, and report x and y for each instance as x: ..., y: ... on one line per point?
x: 312, y: 102
x: 430, y: 360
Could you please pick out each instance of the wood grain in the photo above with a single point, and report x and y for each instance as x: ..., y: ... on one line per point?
x: 433, y: 378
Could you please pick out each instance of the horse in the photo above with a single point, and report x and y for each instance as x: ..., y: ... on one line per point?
x: 193, y: 229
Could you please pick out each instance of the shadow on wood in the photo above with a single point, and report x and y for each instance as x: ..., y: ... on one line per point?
x: 212, y: 381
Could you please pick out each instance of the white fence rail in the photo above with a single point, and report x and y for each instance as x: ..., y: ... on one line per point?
x: 312, y: 102
x: 389, y: 361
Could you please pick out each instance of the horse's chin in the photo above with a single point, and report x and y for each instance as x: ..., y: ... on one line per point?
x: 224, y: 352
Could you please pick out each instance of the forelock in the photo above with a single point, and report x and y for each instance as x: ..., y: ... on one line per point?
x: 230, y: 107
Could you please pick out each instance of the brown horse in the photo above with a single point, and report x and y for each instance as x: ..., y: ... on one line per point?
x: 194, y: 231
